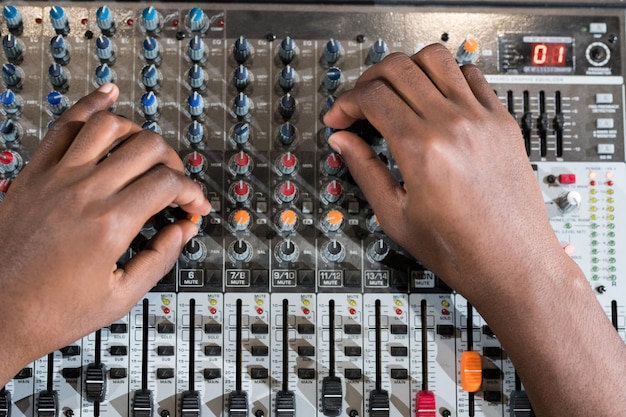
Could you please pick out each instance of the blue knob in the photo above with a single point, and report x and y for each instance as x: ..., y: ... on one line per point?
x: 58, y: 49
x: 103, y: 74
x: 195, y: 132
x: 150, y: 48
x: 241, y: 105
x: 195, y: 102
x: 12, y: 47
x: 241, y: 50
x: 104, y: 49
x: 149, y: 76
x: 287, y: 133
x: 330, y: 100
x: 12, y: 17
x: 149, y: 104
x: 241, y: 133
x: 11, y: 103
x: 195, y: 77
x: 197, y: 20
x: 9, y: 131
x: 241, y: 77
x: 11, y: 75
x: 57, y: 103
x: 332, y: 79
x: 332, y: 51
x: 150, y: 18
x: 59, y: 20
x: 104, y: 19
x: 287, y: 78
x: 57, y: 75
x: 287, y: 106
x: 196, y: 49
x: 378, y: 51
x: 287, y: 50
x: 151, y: 125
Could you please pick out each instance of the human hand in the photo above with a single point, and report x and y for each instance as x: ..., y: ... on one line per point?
x: 470, y: 207
x: 95, y: 179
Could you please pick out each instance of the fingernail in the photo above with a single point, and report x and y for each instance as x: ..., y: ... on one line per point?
x: 333, y: 144
x: 106, y: 88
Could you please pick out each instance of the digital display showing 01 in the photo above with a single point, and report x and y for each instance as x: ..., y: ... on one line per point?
x: 531, y: 54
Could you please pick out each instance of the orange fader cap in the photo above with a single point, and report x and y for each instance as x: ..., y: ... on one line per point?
x: 471, y: 371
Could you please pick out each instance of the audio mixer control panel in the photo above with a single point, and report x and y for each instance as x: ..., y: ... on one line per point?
x: 292, y: 301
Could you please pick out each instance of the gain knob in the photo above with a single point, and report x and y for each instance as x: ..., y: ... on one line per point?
x: 287, y: 50
x: 242, y: 50
x: 468, y: 52
x: 287, y: 251
x: 150, y: 19
x: 377, y: 250
x: 195, y: 250
x: 58, y: 18
x: 13, y: 49
x: 287, y: 220
x: 195, y: 105
x: 104, y: 74
x: 241, y: 133
x: 286, y: 192
x: 240, y: 191
x: 332, y: 192
x: 333, y: 79
x: 105, y: 20
x: 378, y: 51
x: 240, y: 220
x: 195, y: 133
x: 57, y: 103
x: 333, y: 251
x: 240, y: 250
x: 151, y: 51
x: 196, y: 77
x: 332, y: 51
x: 286, y: 163
x: 240, y: 163
x: 569, y: 201
x: 195, y: 163
x: 332, y: 220
x: 11, y: 103
x: 104, y: 50
x: 197, y: 20
x: 13, y: 19
x: 58, y: 77
x: 12, y: 76
x: 150, y: 77
x: 150, y: 105
x: 58, y: 50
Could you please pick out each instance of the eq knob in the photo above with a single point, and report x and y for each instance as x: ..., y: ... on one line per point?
x: 569, y: 201
x: 195, y: 162
x: 328, y: 103
x: 195, y: 105
x: 196, y: 49
x: 57, y: 103
x: 287, y: 163
x: 286, y: 133
x: 377, y: 250
x: 332, y: 192
x: 13, y: 19
x: 467, y: 52
x: 58, y: 50
x: 240, y: 220
x: 241, y: 105
x: 333, y: 251
x: 151, y: 51
x: 378, y: 51
x: 287, y: 78
x: 10, y: 163
x: 9, y: 131
x: 242, y: 50
x: 333, y: 164
x: 152, y: 125
x: 194, y: 250
x: 197, y: 20
x: 59, y: 21
x: 287, y: 251
x: 333, y: 79
x: 150, y: 19
x: 240, y: 250
x: 13, y: 49
x: 332, y: 51
x: 196, y: 77
x: 286, y: 192
x: 240, y: 163
x: 150, y: 77
x: 58, y: 76
x: 240, y: 191
x: 241, y: 133
x: 287, y: 50
x: 11, y: 103
x: 104, y: 74
x: 241, y: 77
x: 12, y: 76
x: 150, y: 105
x: 287, y: 220
x: 105, y: 20
x: 104, y: 50
x: 287, y: 106
x: 195, y: 132
x: 332, y: 220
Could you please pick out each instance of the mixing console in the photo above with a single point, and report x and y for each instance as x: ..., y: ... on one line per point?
x: 292, y: 301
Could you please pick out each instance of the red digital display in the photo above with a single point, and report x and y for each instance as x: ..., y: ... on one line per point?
x: 548, y: 54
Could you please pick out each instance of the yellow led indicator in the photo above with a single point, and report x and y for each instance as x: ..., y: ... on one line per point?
x: 592, y: 191
x: 445, y: 303
x: 610, y: 200
x: 306, y: 301
x: 609, y: 191
x: 166, y: 301
x: 594, y: 217
x: 213, y: 301
x: 352, y: 302
x: 399, y: 303
x: 259, y: 301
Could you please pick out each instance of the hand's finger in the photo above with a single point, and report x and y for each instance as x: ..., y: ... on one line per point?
x: 98, y: 136
x: 480, y: 87
x: 132, y: 158
x: 62, y: 132
x: 381, y: 189
x: 145, y: 269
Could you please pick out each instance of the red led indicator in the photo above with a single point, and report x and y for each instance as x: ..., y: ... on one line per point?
x: 213, y: 310
x: 306, y: 311
x: 609, y: 183
x: 130, y: 22
x: 398, y: 311
x: 548, y: 54
x: 259, y: 310
x: 220, y: 23
x: 592, y: 183
x: 175, y: 22
x: 38, y: 20
x: 166, y: 310
x: 83, y: 21
x: 353, y: 311
x: 445, y: 312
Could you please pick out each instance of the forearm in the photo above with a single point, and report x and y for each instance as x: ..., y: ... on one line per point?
x: 570, y: 359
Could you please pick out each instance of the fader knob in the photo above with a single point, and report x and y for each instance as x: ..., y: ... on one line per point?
x: 241, y: 105
x: 332, y: 192
x: 11, y: 102
x: 240, y: 250
x: 287, y: 163
x: 13, y: 19
x: 332, y: 396
x: 195, y: 104
x: 10, y: 162
x: 241, y: 77
x: 287, y: 106
x: 9, y: 131
x: 190, y: 404
x: 12, y: 48
x: 5, y: 396
x: 149, y: 104
x: 332, y: 51
x: 57, y: 103
x: 569, y: 201
x: 241, y: 50
x: 58, y: 18
x: 195, y: 77
x: 287, y: 78
x: 143, y: 403
x: 286, y: 192
x: 195, y: 132
x: 425, y: 404
x: 95, y: 382
x: 240, y: 163
x: 197, y: 20
x: 333, y: 164
x: 58, y: 50
x: 150, y: 19
x: 287, y: 50
x: 332, y: 220
x: 240, y: 191
x: 332, y: 79
x: 104, y: 50
x: 467, y: 52
x: 240, y: 220
x: 104, y: 74
x: 378, y: 51
x: 47, y: 403
x: 150, y: 77
x: 196, y: 49
x: 377, y: 250
x: 194, y: 250
x: 287, y: 133
x: 333, y: 251
x: 287, y: 251
x: 287, y: 220
x: 58, y: 76
x: 195, y: 162
x: 105, y: 21
x: 12, y: 75
x: 150, y: 50
x: 241, y: 133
